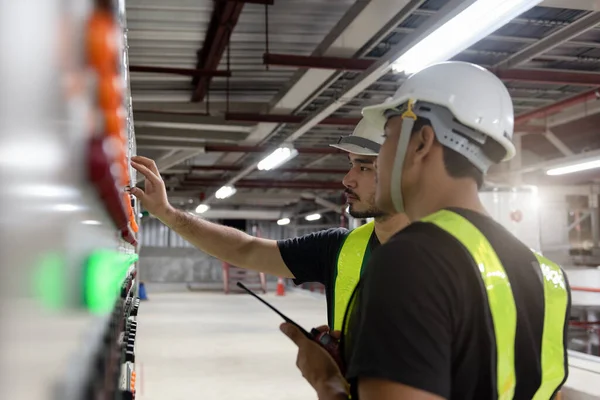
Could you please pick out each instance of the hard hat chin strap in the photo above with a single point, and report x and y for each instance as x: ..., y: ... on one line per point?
x: 408, y: 122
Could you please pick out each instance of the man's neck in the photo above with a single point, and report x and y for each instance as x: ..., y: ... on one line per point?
x: 386, y: 227
x: 457, y: 194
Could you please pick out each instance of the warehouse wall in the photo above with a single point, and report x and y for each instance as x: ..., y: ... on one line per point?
x: 166, y: 258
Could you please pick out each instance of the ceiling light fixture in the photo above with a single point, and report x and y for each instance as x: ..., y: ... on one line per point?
x: 277, y: 157
x: 468, y: 27
x: 202, y: 208
x: 312, y: 217
x: 283, y: 221
x: 225, y: 192
x: 578, y: 167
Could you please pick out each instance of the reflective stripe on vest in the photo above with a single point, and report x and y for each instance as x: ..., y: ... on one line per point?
x: 556, y: 300
x: 349, y: 264
x: 499, y: 294
x: 503, y: 309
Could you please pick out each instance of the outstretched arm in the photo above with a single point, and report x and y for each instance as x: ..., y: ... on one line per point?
x: 228, y: 244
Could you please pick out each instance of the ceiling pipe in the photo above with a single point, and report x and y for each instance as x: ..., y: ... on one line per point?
x: 550, y: 77
x: 265, y: 184
x: 178, y: 71
x: 554, y: 108
x: 378, y: 69
x: 383, y: 65
x: 323, y: 202
x: 287, y: 119
x: 337, y: 63
x: 257, y: 149
x: 357, y: 64
x: 223, y: 20
x: 280, y: 170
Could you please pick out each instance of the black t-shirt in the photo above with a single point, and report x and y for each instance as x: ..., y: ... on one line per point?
x: 313, y: 257
x: 425, y: 322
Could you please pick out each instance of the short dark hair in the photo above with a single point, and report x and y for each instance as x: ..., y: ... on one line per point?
x: 457, y: 165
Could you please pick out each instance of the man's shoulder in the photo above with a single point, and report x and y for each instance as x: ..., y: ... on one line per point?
x: 327, y: 236
x: 421, y: 246
x: 419, y: 234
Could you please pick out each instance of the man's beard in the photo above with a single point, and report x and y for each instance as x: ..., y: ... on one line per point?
x: 372, y: 212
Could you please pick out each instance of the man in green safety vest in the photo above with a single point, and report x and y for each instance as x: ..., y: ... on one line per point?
x: 453, y: 306
x: 334, y: 257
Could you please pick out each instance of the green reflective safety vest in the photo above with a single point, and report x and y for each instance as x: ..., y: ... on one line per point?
x: 352, y: 257
x: 503, y: 309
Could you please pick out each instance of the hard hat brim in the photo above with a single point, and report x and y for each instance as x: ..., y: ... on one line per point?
x: 375, y: 114
x: 354, y: 149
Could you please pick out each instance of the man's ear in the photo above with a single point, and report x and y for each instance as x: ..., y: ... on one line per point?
x: 425, y: 139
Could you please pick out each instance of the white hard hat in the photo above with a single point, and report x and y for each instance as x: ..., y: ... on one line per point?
x: 366, y: 140
x: 469, y: 108
x: 475, y: 97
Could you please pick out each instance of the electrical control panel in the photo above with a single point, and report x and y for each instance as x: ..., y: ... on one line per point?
x: 68, y: 225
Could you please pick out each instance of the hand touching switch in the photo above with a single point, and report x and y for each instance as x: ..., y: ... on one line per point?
x: 154, y: 196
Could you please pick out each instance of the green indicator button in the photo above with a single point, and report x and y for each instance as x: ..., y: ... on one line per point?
x: 104, y: 275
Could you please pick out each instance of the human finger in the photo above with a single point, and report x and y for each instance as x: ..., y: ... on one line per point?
x: 293, y: 333
x: 147, y: 162
x: 151, y: 176
x: 322, y: 328
x: 137, y: 192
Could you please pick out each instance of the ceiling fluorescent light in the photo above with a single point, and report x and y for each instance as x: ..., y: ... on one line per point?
x: 202, y: 208
x: 283, y: 221
x: 475, y: 22
x: 578, y: 167
x: 312, y: 217
x: 225, y: 192
x: 277, y: 157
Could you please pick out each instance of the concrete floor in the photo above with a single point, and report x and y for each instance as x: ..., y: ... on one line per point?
x: 208, y: 345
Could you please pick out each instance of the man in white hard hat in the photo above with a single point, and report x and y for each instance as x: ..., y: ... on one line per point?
x: 471, y: 312
x: 334, y: 257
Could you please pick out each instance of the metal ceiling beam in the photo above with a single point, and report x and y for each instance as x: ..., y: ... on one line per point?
x: 586, y: 5
x: 188, y: 135
x: 559, y: 144
x: 257, y: 149
x: 177, y: 71
x: 286, y: 119
x: 549, y: 76
x: 193, y: 121
x: 337, y: 63
x: 279, y: 170
x: 545, y: 111
x: 242, y: 197
x: 383, y: 65
x: 551, y: 41
x: 364, y: 24
x: 153, y: 144
x: 224, y: 18
x: 570, y: 114
x: 323, y: 202
x: 354, y: 64
x: 264, y: 184
x: 172, y: 159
